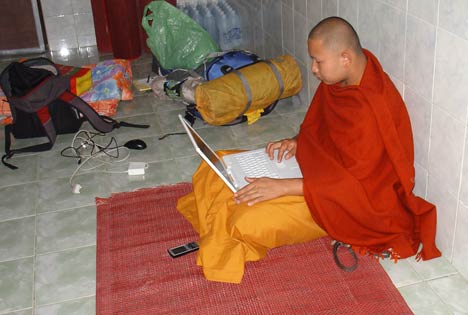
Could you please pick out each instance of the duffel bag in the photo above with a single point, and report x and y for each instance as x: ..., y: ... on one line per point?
x: 248, y: 91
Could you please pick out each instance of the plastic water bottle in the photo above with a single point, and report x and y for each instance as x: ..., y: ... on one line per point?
x: 210, y: 24
x: 233, y: 22
x: 182, y: 5
x: 251, y: 16
x: 216, y: 14
x: 236, y: 31
x: 185, y: 7
x: 196, y: 15
x: 224, y: 28
x: 245, y: 27
x: 202, y: 12
x: 221, y: 24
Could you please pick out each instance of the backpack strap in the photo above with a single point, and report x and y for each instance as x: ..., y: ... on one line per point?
x: 101, y: 123
x: 42, y: 63
x: 91, y: 115
x: 49, y: 130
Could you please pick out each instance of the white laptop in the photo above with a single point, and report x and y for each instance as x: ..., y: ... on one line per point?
x: 233, y: 168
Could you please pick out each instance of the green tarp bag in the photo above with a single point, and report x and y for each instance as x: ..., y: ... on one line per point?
x: 175, y: 39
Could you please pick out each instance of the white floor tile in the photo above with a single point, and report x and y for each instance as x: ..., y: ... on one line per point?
x: 401, y: 273
x: 434, y: 268
x: 453, y: 290
x: 423, y: 300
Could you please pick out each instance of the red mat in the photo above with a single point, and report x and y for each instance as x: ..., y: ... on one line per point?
x: 135, y: 275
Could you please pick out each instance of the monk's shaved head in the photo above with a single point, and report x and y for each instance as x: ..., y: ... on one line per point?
x: 336, y: 33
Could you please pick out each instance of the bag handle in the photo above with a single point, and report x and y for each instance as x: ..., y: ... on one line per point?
x: 101, y: 123
x: 51, y: 136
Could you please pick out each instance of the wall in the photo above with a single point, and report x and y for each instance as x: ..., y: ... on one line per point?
x: 423, y: 45
x: 68, y: 24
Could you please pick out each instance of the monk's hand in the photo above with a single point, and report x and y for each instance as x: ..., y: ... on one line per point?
x: 260, y: 189
x: 285, y: 147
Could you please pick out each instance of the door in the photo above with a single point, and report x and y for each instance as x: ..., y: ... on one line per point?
x: 20, y: 27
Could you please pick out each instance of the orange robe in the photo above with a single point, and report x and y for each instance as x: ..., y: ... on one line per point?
x: 355, y: 150
x: 232, y: 234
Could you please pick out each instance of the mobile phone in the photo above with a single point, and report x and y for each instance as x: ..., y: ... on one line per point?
x: 182, y: 249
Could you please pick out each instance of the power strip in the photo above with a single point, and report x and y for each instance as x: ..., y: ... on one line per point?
x: 137, y: 168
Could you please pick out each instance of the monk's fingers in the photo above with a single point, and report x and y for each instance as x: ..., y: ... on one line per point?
x: 268, y: 146
x: 254, y: 201
x: 254, y: 198
x: 270, y: 149
x: 283, y: 150
x: 247, y: 187
x: 245, y: 191
x: 250, y: 198
x: 250, y: 194
x: 251, y: 185
x: 250, y: 179
x: 288, y: 149
x: 242, y: 194
x: 290, y: 154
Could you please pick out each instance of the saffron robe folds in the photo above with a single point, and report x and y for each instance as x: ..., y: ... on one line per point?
x: 231, y: 234
x: 355, y: 150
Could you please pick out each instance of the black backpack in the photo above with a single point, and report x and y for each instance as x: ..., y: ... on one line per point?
x: 42, y: 105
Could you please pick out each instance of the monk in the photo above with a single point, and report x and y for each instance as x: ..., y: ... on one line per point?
x: 355, y: 151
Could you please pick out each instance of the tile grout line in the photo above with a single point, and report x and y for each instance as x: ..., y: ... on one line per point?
x: 14, y: 311
x: 33, y: 304
x: 15, y: 259
x: 429, y: 279
x: 68, y: 300
x: 65, y: 250
x: 16, y: 218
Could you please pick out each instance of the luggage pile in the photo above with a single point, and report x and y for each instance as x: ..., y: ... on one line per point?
x: 221, y: 87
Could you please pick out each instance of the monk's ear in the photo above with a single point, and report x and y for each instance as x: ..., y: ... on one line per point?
x: 346, y: 58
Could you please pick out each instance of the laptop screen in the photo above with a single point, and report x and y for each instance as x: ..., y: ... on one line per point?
x: 205, y: 149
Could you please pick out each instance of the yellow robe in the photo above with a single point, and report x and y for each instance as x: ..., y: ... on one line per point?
x: 231, y: 234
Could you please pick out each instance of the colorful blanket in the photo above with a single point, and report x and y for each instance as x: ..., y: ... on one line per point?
x: 101, y: 85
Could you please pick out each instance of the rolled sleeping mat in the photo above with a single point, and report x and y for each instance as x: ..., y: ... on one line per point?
x: 248, y: 90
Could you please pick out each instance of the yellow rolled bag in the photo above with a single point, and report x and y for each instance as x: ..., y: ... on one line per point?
x: 248, y: 90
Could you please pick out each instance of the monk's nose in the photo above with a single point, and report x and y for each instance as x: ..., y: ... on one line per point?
x: 314, y: 67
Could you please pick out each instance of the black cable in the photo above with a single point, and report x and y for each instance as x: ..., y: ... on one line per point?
x: 95, y: 147
x: 171, y: 134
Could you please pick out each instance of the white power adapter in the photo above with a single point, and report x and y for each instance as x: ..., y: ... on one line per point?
x: 137, y: 168
x: 76, y: 188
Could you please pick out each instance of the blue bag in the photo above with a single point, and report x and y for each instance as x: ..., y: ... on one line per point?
x: 229, y: 61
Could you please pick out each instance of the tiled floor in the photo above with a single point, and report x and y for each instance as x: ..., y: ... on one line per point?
x: 48, y: 234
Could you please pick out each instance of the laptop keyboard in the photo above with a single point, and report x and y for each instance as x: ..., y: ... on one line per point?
x: 256, y: 164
